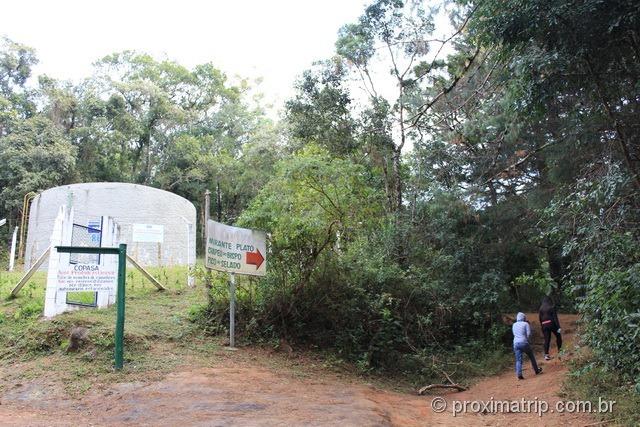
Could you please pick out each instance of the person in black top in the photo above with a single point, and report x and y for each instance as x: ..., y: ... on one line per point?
x: 550, y: 324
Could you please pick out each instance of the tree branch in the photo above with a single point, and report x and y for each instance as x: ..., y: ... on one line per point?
x: 423, y: 110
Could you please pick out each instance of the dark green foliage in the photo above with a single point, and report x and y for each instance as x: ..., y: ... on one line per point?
x: 35, y: 156
x: 591, y: 381
x: 597, y: 224
x: 336, y: 279
x: 320, y: 112
x: 613, y: 319
x: 570, y: 126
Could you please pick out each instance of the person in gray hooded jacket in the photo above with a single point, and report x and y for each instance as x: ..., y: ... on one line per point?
x: 521, y: 334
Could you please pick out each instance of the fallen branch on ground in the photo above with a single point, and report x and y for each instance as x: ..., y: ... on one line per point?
x: 450, y: 385
x: 432, y: 386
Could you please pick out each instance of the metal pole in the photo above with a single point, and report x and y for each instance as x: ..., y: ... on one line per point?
x: 122, y: 274
x: 232, y: 311
x: 12, y: 256
x: 190, y: 281
x: 207, y: 207
x: 190, y: 278
x: 24, y: 224
x: 207, y: 210
x: 218, y: 202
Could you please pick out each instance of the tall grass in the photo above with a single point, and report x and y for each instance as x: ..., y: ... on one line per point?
x: 157, y: 327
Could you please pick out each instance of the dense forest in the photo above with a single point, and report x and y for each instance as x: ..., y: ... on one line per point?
x: 502, y: 165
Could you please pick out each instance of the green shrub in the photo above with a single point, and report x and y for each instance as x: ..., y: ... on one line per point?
x: 612, y: 309
x: 381, y: 290
x: 589, y: 379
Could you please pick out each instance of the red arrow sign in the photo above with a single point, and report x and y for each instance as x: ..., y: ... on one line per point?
x: 255, y: 258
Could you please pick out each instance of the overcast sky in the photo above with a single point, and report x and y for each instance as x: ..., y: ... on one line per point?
x: 275, y: 40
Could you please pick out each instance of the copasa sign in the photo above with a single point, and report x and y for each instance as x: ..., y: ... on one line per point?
x: 236, y: 250
x: 87, y: 277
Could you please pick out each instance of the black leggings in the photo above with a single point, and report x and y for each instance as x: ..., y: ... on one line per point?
x: 547, y: 330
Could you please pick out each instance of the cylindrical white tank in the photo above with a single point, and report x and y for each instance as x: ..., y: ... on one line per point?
x: 132, y: 206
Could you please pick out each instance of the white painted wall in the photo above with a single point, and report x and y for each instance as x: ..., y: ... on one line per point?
x: 127, y: 204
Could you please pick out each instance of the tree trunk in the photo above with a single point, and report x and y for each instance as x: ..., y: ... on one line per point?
x: 556, y: 269
x: 493, y: 193
x: 397, y: 179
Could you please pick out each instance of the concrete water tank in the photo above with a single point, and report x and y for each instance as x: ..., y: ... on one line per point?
x: 132, y: 206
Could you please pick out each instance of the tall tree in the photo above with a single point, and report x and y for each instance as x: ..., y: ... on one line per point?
x: 400, y: 37
x: 16, y: 61
x: 33, y: 152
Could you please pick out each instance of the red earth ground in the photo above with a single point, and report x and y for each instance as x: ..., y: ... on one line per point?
x: 238, y: 392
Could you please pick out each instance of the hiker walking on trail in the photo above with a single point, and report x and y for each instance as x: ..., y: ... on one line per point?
x: 521, y: 333
x: 550, y: 324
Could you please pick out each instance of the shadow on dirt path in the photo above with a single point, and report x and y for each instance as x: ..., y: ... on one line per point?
x: 239, y: 393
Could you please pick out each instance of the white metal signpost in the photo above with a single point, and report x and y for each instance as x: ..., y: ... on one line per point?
x: 235, y: 250
x: 12, y: 255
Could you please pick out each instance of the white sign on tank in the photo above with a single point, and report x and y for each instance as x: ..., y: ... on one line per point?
x: 148, y: 233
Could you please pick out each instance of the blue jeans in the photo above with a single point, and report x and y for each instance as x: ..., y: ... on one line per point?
x: 518, y: 349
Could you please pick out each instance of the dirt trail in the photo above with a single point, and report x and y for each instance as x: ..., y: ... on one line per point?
x: 240, y: 394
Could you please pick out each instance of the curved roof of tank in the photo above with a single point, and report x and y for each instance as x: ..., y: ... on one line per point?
x: 111, y: 185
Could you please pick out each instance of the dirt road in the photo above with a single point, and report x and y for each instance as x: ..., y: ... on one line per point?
x: 239, y: 393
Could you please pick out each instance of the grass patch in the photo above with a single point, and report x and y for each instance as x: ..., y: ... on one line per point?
x: 82, y: 298
x: 158, y: 333
x: 589, y: 381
